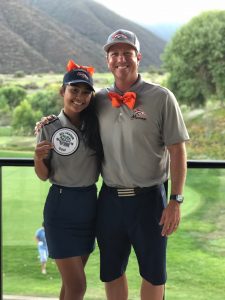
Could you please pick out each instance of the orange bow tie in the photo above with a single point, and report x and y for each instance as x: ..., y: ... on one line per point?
x: 71, y: 65
x: 128, y: 99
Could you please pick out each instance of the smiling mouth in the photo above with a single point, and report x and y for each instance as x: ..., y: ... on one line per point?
x: 77, y: 103
x: 121, y: 67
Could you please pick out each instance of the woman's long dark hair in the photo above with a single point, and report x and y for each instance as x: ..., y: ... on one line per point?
x: 90, y: 128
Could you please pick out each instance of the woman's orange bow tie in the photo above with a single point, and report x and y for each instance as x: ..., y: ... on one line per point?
x: 128, y: 99
x: 72, y: 65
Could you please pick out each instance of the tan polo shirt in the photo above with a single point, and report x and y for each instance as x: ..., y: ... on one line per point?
x: 134, y: 141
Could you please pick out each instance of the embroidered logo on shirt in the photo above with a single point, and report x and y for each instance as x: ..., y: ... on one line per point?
x: 65, y: 141
x: 138, y: 114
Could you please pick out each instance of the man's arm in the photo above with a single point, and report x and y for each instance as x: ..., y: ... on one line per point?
x: 178, y: 168
x: 42, y: 122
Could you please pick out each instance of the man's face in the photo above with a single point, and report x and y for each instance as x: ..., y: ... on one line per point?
x: 123, y: 61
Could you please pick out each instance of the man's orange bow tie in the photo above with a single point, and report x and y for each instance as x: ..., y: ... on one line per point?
x: 128, y: 99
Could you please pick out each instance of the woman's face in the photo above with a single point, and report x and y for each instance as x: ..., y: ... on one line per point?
x: 76, y: 98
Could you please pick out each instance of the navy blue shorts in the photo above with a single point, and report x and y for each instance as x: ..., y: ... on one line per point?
x: 70, y: 220
x: 132, y: 220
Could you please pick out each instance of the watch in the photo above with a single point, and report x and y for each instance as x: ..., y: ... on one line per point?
x: 178, y: 198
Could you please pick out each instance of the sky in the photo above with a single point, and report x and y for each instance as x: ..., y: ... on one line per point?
x: 161, y: 11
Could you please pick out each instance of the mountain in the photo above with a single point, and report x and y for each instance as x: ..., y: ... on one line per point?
x: 42, y: 35
x: 164, y: 30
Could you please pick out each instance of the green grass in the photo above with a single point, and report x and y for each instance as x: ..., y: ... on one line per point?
x: 196, y: 252
x: 39, y: 80
x: 14, y: 154
x: 17, y: 143
x: 5, y: 131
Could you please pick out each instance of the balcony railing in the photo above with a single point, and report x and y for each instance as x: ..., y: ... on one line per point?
x: 26, y: 162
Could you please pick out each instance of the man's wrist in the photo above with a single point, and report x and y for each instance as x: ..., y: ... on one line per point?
x: 177, y: 197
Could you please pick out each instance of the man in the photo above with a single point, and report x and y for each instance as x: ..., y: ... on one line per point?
x: 143, y: 136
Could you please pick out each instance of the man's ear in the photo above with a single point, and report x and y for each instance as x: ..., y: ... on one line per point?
x: 107, y: 61
x: 139, y: 56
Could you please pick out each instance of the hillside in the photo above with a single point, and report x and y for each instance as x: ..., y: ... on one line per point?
x: 164, y: 30
x: 40, y: 36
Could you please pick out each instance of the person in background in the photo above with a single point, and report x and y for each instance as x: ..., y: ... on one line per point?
x: 143, y: 136
x: 68, y: 154
x: 42, y: 247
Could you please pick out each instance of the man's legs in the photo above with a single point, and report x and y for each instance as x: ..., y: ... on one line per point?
x: 151, y: 292
x: 150, y: 246
x: 117, y: 289
x: 137, y: 222
x: 113, y: 242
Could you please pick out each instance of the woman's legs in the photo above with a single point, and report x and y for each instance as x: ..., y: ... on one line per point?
x: 73, y: 277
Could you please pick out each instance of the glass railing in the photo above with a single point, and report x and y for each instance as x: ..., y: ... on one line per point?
x: 196, y: 252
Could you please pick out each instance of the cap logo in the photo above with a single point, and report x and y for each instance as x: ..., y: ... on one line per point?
x: 119, y: 36
x: 65, y: 141
x: 83, y: 75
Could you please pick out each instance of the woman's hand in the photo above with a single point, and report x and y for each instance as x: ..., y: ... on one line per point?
x: 42, y: 150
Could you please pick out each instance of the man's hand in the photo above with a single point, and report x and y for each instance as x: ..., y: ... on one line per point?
x: 170, y: 218
x: 42, y: 122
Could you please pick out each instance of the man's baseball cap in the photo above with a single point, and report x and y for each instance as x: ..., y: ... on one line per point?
x: 78, y: 76
x: 122, y: 36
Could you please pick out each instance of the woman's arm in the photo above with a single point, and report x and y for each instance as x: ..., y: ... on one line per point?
x: 41, y: 151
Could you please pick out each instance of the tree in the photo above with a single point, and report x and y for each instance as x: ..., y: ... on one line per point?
x: 195, y: 59
x: 24, y: 118
x: 13, y: 95
x: 48, y: 101
x: 5, y: 112
x: 3, y: 104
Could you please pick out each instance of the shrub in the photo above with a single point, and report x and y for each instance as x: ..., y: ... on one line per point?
x: 19, y: 74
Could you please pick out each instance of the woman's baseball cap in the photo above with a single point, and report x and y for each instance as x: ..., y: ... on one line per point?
x: 122, y: 36
x: 78, y: 76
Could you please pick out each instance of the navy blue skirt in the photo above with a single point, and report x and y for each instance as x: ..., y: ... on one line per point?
x: 69, y: 220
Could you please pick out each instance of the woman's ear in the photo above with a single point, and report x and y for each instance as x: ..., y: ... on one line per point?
x: 62, y: 90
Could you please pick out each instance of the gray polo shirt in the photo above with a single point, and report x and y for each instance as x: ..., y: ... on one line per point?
x: 77, y: 168
x: 134, y: 141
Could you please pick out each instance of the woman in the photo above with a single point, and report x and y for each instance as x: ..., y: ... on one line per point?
x: 68, y: 153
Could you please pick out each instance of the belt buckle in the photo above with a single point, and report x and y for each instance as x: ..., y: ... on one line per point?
x: 126, y: 192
